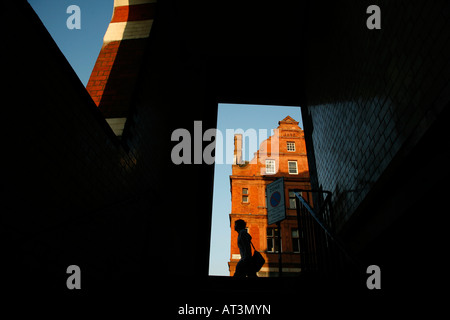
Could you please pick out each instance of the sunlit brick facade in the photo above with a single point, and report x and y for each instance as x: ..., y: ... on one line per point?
x: 248, y: 198
x: 116, y: 71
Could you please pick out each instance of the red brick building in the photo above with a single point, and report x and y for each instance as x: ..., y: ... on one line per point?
x: 248, y: 198
x: 115, y: 75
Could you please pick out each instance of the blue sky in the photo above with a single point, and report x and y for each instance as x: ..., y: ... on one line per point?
x: 81, y: 48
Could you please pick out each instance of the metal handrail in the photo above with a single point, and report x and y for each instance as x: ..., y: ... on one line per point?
x: 322, y: 224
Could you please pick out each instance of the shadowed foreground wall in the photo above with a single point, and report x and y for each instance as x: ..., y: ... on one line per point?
x: 374, y: 122
x: 374, y: 103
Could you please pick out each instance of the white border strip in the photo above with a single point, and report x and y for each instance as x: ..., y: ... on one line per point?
x: 119, y: 3
x: 117, y: 125
x: 128, y: 30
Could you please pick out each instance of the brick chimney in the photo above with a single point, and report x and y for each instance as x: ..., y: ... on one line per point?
x: 237, y: 149
x: 116, y: 71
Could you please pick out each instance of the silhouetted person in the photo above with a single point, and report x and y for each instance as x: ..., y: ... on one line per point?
x: 244, y: 267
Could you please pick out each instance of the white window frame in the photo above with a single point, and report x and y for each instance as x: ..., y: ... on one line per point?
x: 289, y: 168
x: 292, y: 196
x: 273, y: 238
x: 289, y: 146
x: 245, y: 195
x: 272, y: 167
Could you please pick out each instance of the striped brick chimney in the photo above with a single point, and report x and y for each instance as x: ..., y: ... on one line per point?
x: 115, y: 73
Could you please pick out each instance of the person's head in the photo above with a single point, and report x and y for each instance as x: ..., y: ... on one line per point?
x: 239, y: 225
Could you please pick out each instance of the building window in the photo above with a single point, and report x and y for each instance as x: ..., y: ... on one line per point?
x: 245, y: 195
x: 292, y: 167
x: 272, y: 240
x: 295, y: 240
x: 291, y: 146
x: 292, y: 202
x: 270, y: 166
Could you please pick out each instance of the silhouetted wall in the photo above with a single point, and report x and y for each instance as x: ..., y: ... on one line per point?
x: 73, y: 191
x: 372, y: 94
x: 373, y: 105
x: 375, y: 117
